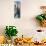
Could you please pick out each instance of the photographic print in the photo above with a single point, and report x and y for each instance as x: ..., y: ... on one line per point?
x: 17, y: 9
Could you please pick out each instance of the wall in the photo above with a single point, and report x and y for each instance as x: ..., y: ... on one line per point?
x: 27, y: 23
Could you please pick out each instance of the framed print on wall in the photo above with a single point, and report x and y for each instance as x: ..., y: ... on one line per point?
x: 17, y: 6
